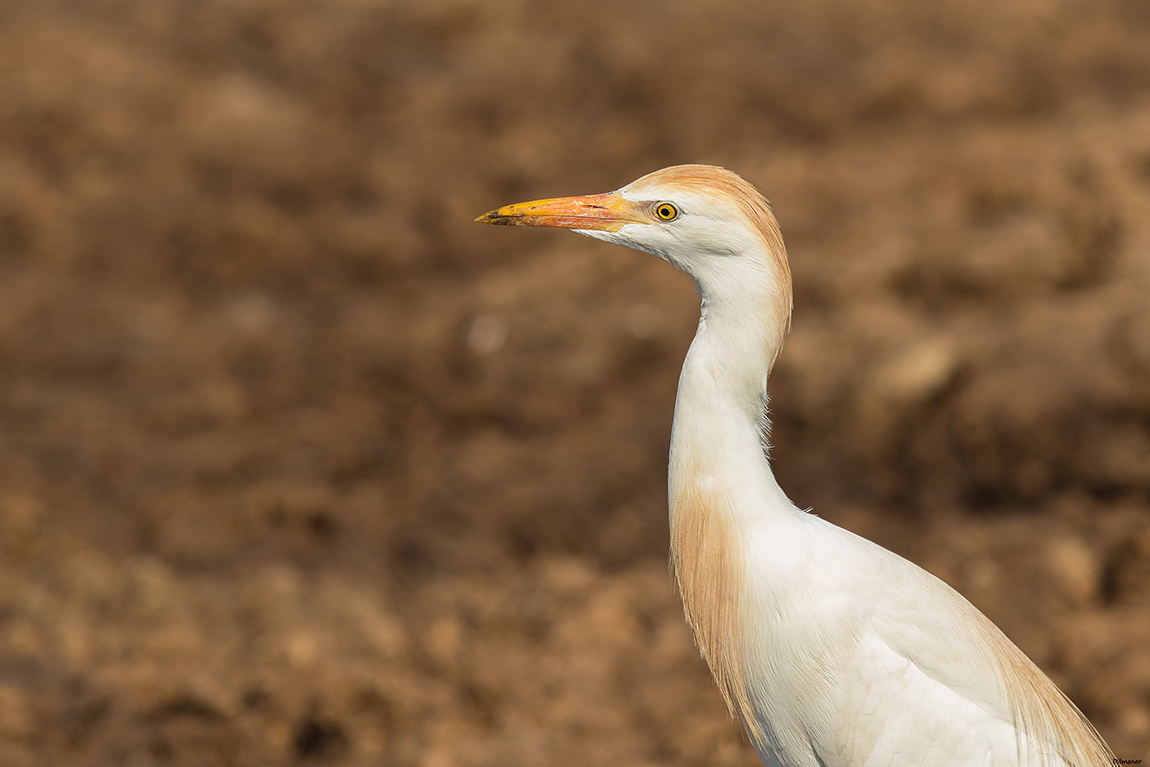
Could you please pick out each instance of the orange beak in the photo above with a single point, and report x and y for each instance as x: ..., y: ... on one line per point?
x: 608, y: 212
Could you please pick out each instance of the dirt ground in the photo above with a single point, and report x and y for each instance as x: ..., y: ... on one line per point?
x: 300, y: 465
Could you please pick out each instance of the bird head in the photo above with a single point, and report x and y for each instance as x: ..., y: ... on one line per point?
x: 705, y: 220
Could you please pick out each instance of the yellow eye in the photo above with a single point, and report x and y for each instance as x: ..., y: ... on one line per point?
x: 666, y: 211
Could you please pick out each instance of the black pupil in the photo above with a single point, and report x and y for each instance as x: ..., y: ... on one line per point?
x: 666, y: 211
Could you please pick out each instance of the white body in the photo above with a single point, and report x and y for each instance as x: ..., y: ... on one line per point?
x: 855, y: 655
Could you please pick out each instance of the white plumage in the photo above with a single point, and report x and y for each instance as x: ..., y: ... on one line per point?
x: 831, y: 650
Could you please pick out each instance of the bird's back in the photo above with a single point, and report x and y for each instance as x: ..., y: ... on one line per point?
x: 874, y: 661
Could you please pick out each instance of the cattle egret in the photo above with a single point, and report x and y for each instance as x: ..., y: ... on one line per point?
x: 831, y: 650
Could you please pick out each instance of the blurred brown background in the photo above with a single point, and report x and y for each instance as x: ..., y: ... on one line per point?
x: 299, y: 465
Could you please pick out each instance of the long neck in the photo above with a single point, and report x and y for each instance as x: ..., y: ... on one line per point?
x: 718, y: 442
x: 721, y: 485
